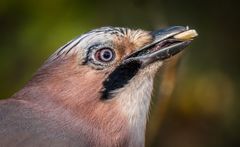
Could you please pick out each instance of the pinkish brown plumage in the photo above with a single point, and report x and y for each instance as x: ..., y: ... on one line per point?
x: 94, y: 91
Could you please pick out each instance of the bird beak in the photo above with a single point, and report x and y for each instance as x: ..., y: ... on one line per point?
x: 166, y: 43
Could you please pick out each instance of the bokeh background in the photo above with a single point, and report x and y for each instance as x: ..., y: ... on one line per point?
x: 196, y: 99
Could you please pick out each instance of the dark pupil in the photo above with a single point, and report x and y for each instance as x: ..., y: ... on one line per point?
x: 106, y: 55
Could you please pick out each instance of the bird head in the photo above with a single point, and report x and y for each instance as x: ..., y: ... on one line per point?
x: 105, y: 77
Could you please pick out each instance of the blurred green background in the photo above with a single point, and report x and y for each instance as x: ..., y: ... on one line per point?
x: 204, y: 108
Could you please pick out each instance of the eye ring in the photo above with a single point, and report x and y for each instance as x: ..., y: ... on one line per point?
x: 104, y: 55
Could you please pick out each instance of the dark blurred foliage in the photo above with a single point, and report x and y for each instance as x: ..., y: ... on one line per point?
x: 204, y: 108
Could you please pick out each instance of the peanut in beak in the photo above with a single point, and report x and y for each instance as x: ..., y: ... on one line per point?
x: 187, y: 35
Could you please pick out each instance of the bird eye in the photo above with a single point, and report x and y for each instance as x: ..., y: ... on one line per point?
x: 105, y: 55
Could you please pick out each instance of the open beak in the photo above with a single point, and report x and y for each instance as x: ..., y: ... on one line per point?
x: 166, y: 43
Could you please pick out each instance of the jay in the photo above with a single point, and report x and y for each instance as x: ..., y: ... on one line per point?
x: 94, y: 91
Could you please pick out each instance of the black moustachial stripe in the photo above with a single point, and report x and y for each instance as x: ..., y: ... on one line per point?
x: 119, y: 78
